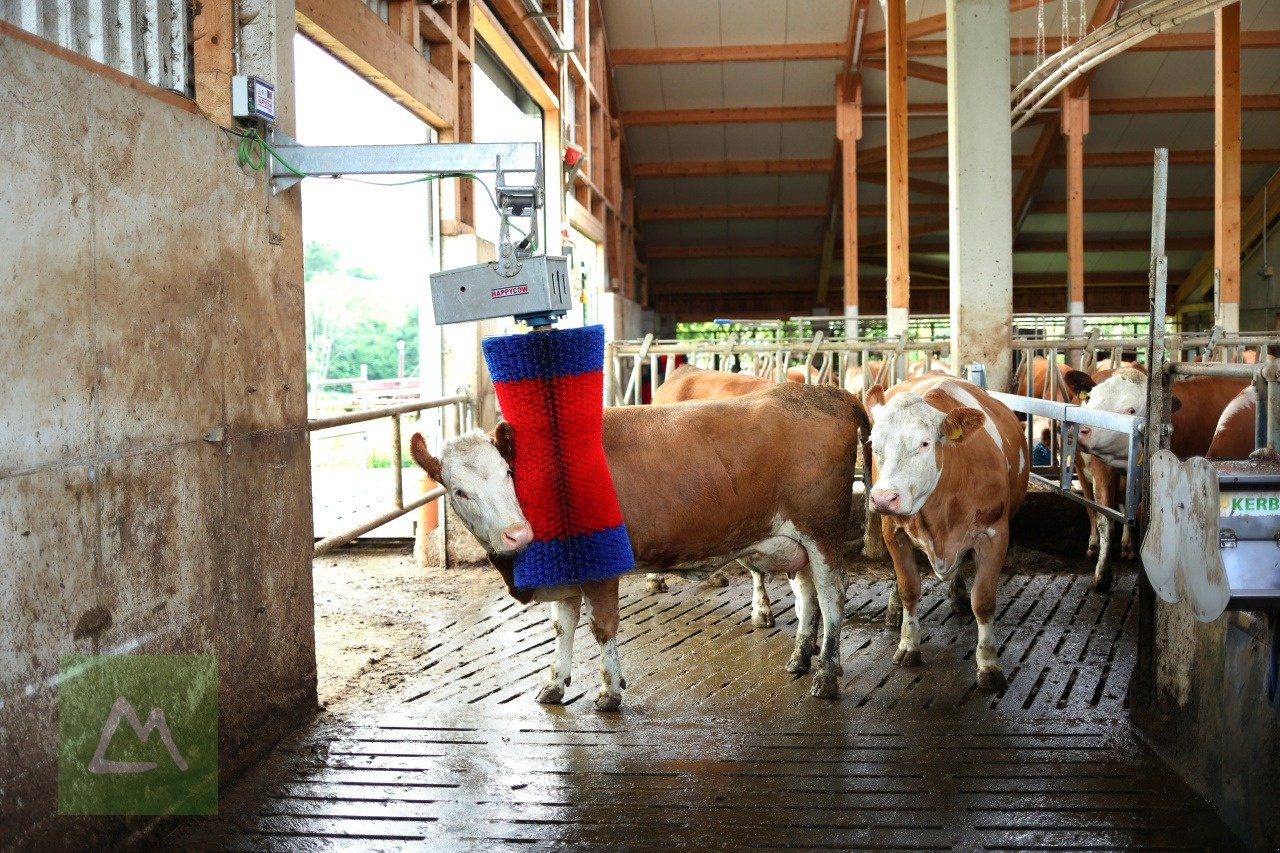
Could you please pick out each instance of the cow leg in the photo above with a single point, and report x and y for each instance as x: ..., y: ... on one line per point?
x: 806, y: 596
x: 1104, y: 490
x: 655, y: 582
x: 1086, y: 488
x: 904, y: 566
x: 988, y: 556
x: 872, y: 537
x: 893, y: 612
x: 957, y: 593
x: 564, y: 619
x: 828, y: 580
x: 1126, y: 543
x: 602, y: 614
x: 761, y: 606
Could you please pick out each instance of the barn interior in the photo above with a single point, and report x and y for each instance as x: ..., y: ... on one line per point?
x: 165, y: 496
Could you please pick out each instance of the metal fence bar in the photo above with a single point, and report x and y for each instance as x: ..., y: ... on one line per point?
x: 461, y: 409
x: 337, y: 540
x: 314, y: 424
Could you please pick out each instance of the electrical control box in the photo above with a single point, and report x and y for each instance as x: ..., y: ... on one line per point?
x: 252, y: 99
x: 538, y: 293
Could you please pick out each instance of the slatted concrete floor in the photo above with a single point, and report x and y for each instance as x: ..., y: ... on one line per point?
x: 718, y: 748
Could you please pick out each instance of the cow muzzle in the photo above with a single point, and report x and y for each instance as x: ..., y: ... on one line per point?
x: 887, y: 501
x: 515, y: 537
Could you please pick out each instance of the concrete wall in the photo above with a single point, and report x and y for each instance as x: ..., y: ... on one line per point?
x: 143, y: 305
x: 1205, y: 697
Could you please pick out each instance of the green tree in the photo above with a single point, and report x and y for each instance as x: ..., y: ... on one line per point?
x: 318, y: 258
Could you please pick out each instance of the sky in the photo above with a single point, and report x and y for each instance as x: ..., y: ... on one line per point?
x: 385, y: 230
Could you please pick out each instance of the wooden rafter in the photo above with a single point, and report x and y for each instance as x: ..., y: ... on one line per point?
x: 359, y: 39
x: 773, y: 250
x: 919, y: 70
x: 1200, y: 157
x: 729, y: 167
x: 727, y: 53
x: 727, y: 115
x: 751, y: 211
x: 1033, y: 176
x: 1124, y: 205
x: 875, y: 42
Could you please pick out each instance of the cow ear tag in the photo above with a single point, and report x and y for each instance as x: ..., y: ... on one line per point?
x: 1084, y: 396
x: 955, y: 433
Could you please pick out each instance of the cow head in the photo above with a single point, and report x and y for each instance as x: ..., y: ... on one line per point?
x: 907, y: 437
x: 1123, y: 392
x: 476, y: 470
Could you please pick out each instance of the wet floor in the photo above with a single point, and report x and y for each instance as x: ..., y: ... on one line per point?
x: 716, y: 747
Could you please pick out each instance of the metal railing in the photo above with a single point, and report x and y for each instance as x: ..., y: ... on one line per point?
x: 463, y: 415
x: 1070, y: 418
x: 630, y: 366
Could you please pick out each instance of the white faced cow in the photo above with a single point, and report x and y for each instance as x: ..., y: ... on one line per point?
x: 767, y: 477
x: 1198, y: 402
x: 950, y: 468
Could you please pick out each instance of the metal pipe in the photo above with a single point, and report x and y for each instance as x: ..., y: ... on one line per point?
x: 535, y: 10
x: 1261, y: 412
x: 329, y: 543
x: 1196, y: 368
x: 314, y: 424
x: 1273, y: 413
x: 395, y: 460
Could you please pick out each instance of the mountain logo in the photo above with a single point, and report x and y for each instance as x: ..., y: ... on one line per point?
x: 123, y: 710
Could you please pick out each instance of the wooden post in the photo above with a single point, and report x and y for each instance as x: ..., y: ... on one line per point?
x: 1075, y: 125
x: 1226, y: 164
x: 213, y: 40
x: 849, y: 129
x: 896, y: 187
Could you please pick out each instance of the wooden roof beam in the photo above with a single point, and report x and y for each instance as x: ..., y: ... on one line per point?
x: 919, y: 70
x: 749, y: 211
x: 729, y: 167
x: 928, y: 26
x: 772, y: 250
x: 727, y: 115
x: 1124, y: 205
x: 728, y: 53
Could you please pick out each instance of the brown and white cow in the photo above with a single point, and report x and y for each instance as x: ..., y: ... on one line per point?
x: 767, y: 476
x: 950, y: 469
x: 1099, y: 481
x: 1198, y: 403
x: 693, y: 383
x: 1235, y: 436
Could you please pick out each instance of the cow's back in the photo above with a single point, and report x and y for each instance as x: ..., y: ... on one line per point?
x: 705, y: 478
x: 693, y: 383
x: 1202, y: 400
x: 1235, y: 435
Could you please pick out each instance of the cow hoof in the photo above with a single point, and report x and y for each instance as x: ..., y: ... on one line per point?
x: 715, y: 580
x: 798, y: 665
x: 762, y: 619
x: 902, y: 657
x: 551, y: 694
x: 1101, y: 583
x: 1127, y: 553
x: 608, y: 701
x: 655, y: 585
x: 1091, y: 553
x: 992, y: 679
x: 825, y: 685
x: 893, y: 617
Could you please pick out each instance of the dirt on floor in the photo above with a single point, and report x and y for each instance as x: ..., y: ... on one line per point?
x: 374, y: 604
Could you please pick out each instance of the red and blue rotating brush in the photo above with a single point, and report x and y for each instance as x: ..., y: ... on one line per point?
x: 550, y: 385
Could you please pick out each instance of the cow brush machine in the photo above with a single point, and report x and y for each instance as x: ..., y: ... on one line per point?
x: 550, y: 387
x: 550, y: 383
